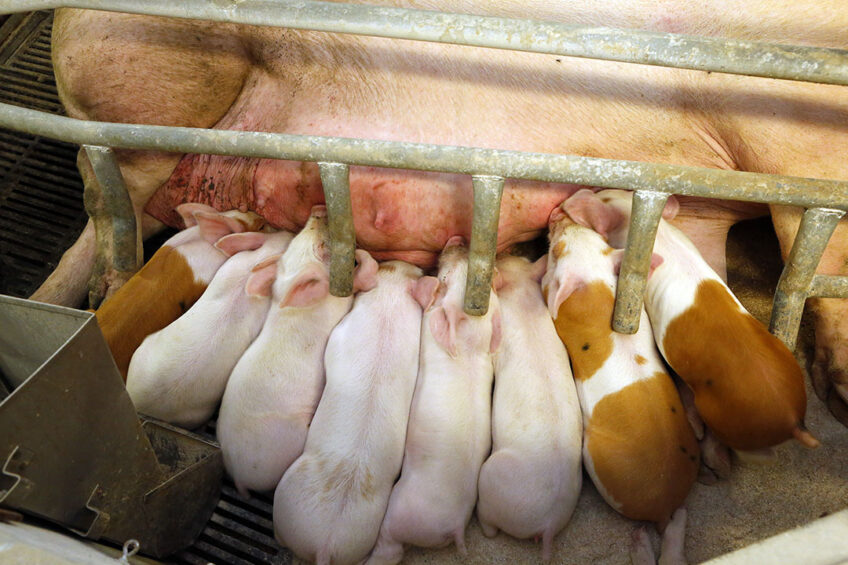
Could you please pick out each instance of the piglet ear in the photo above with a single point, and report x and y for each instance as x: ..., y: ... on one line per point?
x: 538, y: 269
x: 309, y: 286
x: 236, y: 242
x: 187, y: 211
x: 497, y: 331
x: 272, y: 260
x: 497, y: 280
x: 260, y: 281
x: 557, y: 214
x: 618, y: 256
x: 443, y: 322
x: 365, y: 274
x: 562, y: 291
x: 589, y: 211
x: 425, y: 291
x: 214, y: 226
x: 672, y: 207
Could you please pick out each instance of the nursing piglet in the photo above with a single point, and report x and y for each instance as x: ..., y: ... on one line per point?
x: 530, y: 483
x: 638, y: 446
x: 449, y: 433
x: 179, y: 373
x: 330, y: 503
x: 171, y: 281
x: 748, y: 386
x: 274, y: 388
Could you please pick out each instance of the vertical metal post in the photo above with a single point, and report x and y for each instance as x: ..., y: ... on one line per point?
x: 633, y: 276
x: 795, y: 282
x: 116, y: 204
x: 488, y: 191
x: 336, y: 182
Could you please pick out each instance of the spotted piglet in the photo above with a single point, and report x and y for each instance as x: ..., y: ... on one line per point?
x: 748, y: 387
x: 638, y: 447
x: 178, y: 374
x: 330, y: 503
x: 449, y: 433
x: 529, y: 485
x: 171, y: 281
x: 274, y: 388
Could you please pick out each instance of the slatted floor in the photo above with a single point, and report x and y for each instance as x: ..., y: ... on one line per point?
x: 41, y: 214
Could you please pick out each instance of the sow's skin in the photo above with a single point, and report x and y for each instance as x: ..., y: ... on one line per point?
x: 747, y: 385
x: 274, y: 388
x: 171, y: 281
x: 305, y: 82
x: 179, y: 373
x: 330, y: 503
x: 449, y: 433
x: 638, y: 446
x: 529, y: 485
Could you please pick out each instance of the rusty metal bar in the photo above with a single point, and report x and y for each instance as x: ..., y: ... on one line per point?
x: 633, y: 276
x: 829, y: 286
x: 488, y: 191
x: 805, y: 63
x: 793, y: 288
x: 118, y: 205
x: 335, y: 180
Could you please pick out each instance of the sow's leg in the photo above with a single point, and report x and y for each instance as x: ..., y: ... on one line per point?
x: 828, y: 367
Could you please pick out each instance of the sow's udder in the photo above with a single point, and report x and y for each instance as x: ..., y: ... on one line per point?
x: 407, y: 215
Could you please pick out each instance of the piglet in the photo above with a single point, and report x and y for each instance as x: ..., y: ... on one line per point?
x: 171, y: 281
x: 330, y: 503
x: 449, y: 433
x: 638, y: 447
x: 748, y: 387
x: 274, y: 388
x: 179, y: 373
x: 530, y: 483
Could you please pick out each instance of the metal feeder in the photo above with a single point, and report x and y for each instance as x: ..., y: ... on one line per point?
x: 72, y: 448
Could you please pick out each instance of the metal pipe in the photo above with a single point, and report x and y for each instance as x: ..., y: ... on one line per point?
x: 488, y: 191
x: 815, y: 64
x: 588, y: 171
x: 633, y: 276
x: 116, y: 203
x: 335, y: 180
x: 829, y: 286
x: 793, y: 288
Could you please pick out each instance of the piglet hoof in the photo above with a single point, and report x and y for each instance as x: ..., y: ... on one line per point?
x: 641, y: 552
x: 715, y: 456
x: 827, y: 382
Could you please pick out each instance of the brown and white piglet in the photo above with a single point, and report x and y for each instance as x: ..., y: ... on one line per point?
x: 748, y: 387
x: 638, y: 446
x: 171, y: 281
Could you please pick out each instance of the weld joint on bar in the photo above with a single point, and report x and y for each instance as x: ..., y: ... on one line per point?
x: 336, y: 182
x: 488, y: 191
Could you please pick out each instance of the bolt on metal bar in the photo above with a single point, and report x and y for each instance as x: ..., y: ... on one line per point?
x: 336, y: 183
x: 118, y: 205
x: 805, y: 63
x: 488, y: 191
x: 793, y: 287
x: 633, y: 275
x: 829, y: 286
x: 574, y: 169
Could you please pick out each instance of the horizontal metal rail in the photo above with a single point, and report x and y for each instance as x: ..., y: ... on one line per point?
x: 814, y: 64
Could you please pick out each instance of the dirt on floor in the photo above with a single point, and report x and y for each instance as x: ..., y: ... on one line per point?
x: 760, y: 499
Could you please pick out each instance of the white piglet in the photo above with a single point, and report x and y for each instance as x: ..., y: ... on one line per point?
x: 330, y: 503
x: 273, y: 390
x: 178, y: 374
x: 529, y: 485
x: 449, y: 433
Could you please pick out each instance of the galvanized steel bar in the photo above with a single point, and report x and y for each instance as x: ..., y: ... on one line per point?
x: 793, y: 287
x: 805, y: 63
x: 829, y: 286
x: 335, y: 180
x: 488, y: 191
x: 587, y: 171
x: 633, y: 276
x: 118, y: 205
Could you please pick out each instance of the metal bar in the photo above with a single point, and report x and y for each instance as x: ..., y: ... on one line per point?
x: 118, y: 205
x: 335, y: 180
x: 829, y: 286
x: 588, y: 171
x: 814, y: 64
x: 488, y: 191
x: 793, y: 287
x: 633, y: 276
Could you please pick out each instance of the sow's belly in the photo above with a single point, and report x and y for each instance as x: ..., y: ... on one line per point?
x: 397, y: 214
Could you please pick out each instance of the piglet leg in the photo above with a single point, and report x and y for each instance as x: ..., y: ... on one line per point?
x: 671, y: 552
x: 641, y: 552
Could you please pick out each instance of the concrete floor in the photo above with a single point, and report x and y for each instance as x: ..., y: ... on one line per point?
x: 759, y: 500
